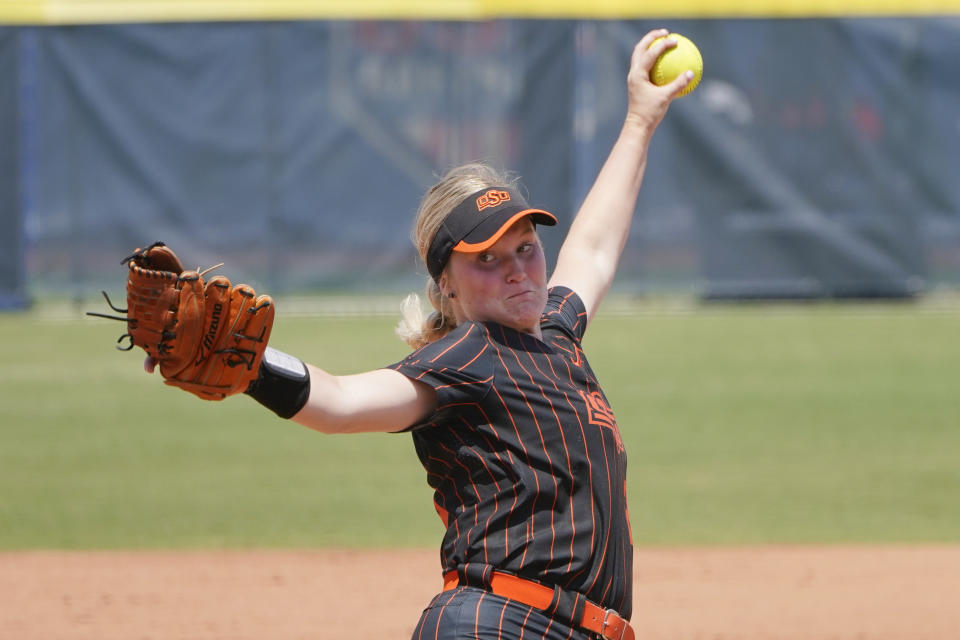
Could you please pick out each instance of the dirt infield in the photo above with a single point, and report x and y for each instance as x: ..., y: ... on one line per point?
x: 873, y: 593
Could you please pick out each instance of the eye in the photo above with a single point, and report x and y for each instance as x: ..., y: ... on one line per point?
x: 485, y: 257
x: 526, y: 247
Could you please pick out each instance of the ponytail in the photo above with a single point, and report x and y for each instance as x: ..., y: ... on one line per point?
x: 417, y: 330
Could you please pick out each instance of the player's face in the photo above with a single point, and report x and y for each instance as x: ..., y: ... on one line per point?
x: 506, y: 284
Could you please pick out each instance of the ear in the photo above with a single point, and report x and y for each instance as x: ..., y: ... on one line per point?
x: 444, y: 285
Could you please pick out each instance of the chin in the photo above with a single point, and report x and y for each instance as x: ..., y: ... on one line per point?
x: 529, y: 310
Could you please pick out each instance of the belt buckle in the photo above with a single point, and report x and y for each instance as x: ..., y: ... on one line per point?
x: 603, y: 627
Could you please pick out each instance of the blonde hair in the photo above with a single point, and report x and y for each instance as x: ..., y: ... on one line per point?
x: 458, y: 183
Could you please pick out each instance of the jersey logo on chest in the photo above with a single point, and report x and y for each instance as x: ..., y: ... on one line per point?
x: 601, y: 415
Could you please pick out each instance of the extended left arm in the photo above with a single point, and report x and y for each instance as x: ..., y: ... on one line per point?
x: 591, y: 251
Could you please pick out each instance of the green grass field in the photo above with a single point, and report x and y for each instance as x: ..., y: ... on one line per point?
x: 744, y: 425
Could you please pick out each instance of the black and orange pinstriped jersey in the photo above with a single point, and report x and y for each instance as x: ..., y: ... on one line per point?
x: 525, y: 455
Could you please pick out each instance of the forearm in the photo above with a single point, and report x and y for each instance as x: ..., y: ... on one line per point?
x: 320, y: 411
x: 378, y: 400
x: 325, y: 409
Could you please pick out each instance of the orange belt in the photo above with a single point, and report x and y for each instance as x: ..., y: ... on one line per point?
x: 595, y: 618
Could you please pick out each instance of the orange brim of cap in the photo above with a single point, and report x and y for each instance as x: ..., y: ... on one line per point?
x: 466, y: 247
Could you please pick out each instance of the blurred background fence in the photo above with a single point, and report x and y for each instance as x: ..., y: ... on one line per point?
x: 820, y: 157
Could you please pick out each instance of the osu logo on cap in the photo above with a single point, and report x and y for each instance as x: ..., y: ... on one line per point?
x: 492, y: 198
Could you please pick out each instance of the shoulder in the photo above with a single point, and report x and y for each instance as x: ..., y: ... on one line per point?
x: 564, y: 312
x: 458, y: 367
x: 461, y: 355
x: 459, y: 346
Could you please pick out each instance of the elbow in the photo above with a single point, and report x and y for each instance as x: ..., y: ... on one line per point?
x: 602, y: 266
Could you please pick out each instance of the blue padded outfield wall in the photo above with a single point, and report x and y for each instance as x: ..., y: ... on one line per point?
x: 819, y: 157
x: 13, y: 293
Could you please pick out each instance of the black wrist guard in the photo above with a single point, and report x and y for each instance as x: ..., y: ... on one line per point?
x: 282, y: 384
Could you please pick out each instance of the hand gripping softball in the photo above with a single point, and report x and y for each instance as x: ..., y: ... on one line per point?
x: 208, y: 338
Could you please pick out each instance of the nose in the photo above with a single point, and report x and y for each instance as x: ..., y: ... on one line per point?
x: 513, y: 270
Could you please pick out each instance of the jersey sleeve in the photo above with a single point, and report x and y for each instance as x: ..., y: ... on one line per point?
x: 458, y: 367
x: 565, y: 312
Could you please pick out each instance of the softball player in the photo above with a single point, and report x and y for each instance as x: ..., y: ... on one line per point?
x: 516, y: 435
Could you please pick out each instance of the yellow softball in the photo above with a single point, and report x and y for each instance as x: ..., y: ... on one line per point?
x: 683, y: 57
